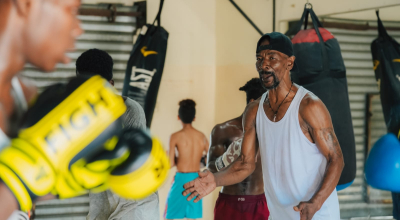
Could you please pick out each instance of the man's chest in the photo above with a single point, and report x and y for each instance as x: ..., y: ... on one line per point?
x: 283, y: 110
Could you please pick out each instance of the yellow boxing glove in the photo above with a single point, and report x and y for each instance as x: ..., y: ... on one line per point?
x: 146, y: 168
x: 91, y: 174
x: 67, y: 123
x: 138, y: 166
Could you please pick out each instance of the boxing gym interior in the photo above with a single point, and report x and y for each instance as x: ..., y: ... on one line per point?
x: 203, y: 50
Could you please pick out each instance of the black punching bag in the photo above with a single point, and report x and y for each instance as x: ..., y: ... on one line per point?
x: 322, y: 71
x: 145, y: 67
x: 386, y: 58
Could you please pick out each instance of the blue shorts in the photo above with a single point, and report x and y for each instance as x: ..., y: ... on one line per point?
x: 177, y: 206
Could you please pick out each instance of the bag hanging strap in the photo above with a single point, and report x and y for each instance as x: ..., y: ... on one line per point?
x: 152, y: 28
x: 381, y: 29
x: 303, y: 20
x: 296, y: 28
x: 317, y: 25
x: 158, y: 17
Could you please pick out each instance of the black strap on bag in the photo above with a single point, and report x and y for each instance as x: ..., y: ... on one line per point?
x: 381, y: 30
x: 153, y: 28
x: 158, y: 17
x: 316, y: 24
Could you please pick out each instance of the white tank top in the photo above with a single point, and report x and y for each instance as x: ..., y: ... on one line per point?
x: 293, y: 167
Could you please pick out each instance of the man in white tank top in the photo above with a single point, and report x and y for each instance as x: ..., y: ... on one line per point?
x: 301, y: 157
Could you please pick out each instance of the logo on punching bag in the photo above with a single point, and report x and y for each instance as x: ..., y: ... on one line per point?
x: 376, y: 64
x: 140, y: 80
x: 147, y: 52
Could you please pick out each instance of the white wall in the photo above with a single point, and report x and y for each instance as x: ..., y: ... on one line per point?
x: 236, y: 40
x: 189, y: 72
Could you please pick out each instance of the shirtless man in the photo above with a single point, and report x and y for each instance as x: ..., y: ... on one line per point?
x: 190, y: 144
x: 226, y: 139
x: 301, y: 157
x: 37, y: 32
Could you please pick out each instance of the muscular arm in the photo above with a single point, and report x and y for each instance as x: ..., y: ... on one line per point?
x: 216, y: 148
x: 231, y: 154
x: 245, y: 164
x: 318, y: 120
x: 236, y: 172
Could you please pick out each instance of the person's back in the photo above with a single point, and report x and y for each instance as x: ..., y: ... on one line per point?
x: 190, y: 145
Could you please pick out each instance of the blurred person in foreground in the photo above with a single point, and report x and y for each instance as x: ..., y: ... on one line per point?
x: 107, y: 205
x: 39, y: 32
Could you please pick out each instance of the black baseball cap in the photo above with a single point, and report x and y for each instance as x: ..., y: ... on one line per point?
x: 278, y: 42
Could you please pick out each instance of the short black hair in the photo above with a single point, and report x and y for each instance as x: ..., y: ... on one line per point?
x: 187, y: 110
x: 253, y: 88
x: 95, y: 62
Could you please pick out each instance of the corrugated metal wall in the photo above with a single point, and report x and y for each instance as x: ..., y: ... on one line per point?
x: 356, y: 52
x: 377, y: 128
x: 115, y: 38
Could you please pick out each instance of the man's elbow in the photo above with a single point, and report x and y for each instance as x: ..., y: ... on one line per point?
x: 252, y: 167
x: 248, y: 167
x: 342, y: 163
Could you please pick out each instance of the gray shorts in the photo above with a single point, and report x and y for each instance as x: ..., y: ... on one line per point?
x: 109, y: 206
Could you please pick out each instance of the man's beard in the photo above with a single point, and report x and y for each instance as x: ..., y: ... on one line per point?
x: 274, y: 85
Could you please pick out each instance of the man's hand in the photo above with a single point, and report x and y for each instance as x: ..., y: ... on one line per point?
x: 200, y: 187
x: 306, y: 209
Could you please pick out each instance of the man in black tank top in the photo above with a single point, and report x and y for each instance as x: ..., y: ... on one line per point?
x: 225, y: 147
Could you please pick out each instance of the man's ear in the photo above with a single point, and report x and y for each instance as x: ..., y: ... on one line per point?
x: 23, y: 6
x: 194, y: 119
x: 179, y: 118
x: 251, y: 100
x: 112, y: 82
x: 291, y: 62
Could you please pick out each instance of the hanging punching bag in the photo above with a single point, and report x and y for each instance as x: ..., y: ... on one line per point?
x: 385, y: 154
x: 386, y: 59
x: 145, y: 67
x: 322, y: 71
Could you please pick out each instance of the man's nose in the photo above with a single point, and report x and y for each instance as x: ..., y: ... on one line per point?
x: 265, y: 65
